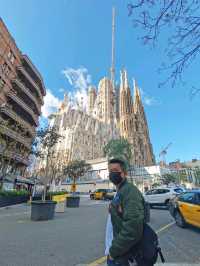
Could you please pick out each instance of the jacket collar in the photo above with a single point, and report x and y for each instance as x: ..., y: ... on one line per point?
x: 122, y: 184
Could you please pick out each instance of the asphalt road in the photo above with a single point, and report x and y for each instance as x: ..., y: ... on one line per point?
x: 77, y: 237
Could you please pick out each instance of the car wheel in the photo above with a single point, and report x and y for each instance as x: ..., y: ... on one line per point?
x: 167, y: 204
x: 179, y: 220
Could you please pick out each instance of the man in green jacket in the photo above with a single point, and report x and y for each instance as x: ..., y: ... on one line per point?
x: 127, y: 214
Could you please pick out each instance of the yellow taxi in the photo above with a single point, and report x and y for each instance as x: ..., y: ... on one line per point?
x: 101, y: 194
x: 185, y: 208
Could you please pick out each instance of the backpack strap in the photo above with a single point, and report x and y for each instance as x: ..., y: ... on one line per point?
x: 161, y: 255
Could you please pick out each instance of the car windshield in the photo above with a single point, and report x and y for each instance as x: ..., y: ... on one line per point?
x: 101, y: 190
x: 178, y: 190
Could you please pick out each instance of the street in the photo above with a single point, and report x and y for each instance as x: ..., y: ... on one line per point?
x: 77, y: 236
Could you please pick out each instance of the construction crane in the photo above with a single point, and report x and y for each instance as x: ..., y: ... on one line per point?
x: 163, y: 153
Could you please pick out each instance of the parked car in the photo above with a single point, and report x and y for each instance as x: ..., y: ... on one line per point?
x: 109, y: 195
x: 185, y: 208
x: 102, y: 194
x: 161, y: 196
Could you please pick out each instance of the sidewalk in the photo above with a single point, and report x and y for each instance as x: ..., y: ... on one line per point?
x: 158, y: 264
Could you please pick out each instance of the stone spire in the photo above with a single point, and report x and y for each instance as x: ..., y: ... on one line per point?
x: 91, y: 99
x: 121, y: 80
x: 66, y: 100
x: 126, y: 85
x: 137, y: 98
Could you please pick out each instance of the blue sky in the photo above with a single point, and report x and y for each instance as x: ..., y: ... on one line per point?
x: 74, y: 36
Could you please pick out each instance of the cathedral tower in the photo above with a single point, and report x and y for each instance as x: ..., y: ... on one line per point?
x: 105, y: 110
x: 142, y: 145
x: 126, y: 108
x: 91, y: 99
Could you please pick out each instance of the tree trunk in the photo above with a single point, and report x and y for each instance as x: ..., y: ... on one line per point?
x: 46, y: 179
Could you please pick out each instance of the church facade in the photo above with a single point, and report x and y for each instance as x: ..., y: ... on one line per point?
x: 111, y: 113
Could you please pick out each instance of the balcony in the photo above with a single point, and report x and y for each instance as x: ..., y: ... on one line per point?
x: 31, y: 81
x: 6, y: 109
x: 34, y: 73
x: 16, y: 136
x: 14, y: 97
x: 17, y: 157
x: 28, y: 93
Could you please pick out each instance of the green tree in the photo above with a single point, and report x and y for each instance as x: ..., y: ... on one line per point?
x: 197, y: 176
x: 182, y: 175
x: 44, y: 149
x: 76, y: 169
x: 119, y: 148
x: 155, y: 17
x: 169, y: 178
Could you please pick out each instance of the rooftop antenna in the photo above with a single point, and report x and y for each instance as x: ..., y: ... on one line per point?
x: 112, y: 70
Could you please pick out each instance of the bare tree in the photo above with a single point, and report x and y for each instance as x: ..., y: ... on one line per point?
x: 44, y: 149
x: 182, y: 17
x: 76, y: 169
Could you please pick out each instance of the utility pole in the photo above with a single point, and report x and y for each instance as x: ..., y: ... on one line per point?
x: 112, y: 70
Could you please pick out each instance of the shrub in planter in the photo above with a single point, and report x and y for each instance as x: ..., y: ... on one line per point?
x: 13, y: 193
x: 13, y: 197
x: 49, y: 195
x: 75, y: 169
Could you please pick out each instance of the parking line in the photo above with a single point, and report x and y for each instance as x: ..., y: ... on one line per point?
x: 103, y: 259
x: 164, y: 227
x: 13, y: 214
x: 97, y: 262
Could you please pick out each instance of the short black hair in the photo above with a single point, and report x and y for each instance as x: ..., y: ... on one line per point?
x: 121, y: 162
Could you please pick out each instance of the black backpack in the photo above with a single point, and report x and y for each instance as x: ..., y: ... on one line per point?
x: 148, y: 248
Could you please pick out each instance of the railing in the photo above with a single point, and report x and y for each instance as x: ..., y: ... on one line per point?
x: 36, y: 72
x: 12, y: 95
x: 28, y: 93
x: 8, y: 110
x: 29, y: 78
x: 16, y: 156
x: 16, y: 136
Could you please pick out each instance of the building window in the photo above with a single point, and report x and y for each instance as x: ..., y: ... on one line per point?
x: 2, y: 83
x: 11, y: 57
x: 6, y: 69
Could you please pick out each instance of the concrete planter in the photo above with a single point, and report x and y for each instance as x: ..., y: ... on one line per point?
x: 60, y: 206
x: 72, y: 202
x: 42, y: 210
x: 12, y: 200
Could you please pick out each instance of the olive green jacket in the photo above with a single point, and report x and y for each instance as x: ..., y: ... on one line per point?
x: 127, y: 216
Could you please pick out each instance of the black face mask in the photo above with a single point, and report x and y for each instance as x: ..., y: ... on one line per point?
x: 115, y: 178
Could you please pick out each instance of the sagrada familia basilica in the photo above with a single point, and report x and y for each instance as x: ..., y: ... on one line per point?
x: 112, y: 112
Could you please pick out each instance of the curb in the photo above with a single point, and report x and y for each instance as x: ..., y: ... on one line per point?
x: 11, y: 206
x: 157, y: 264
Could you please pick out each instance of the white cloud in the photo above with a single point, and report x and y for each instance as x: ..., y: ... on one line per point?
x: 51, y: 104
x: 149, y: 100
x: 61, y: 90
x: 80, y: 80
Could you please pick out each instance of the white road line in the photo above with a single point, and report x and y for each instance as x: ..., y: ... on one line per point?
x: 13, y: 214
